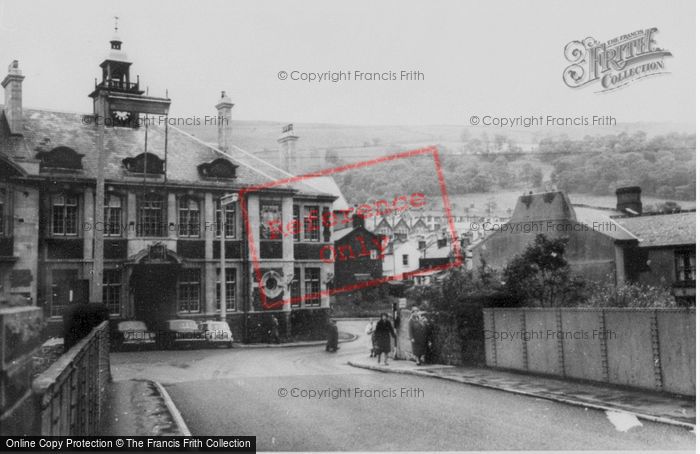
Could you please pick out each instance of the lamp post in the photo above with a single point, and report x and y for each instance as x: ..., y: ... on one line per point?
x: 225, y: 200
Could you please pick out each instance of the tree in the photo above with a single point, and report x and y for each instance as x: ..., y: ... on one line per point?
x: 541, y: 275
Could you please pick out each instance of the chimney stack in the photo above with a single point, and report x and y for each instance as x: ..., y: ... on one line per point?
x: 287, y: 148
x: 12, y: 83
x: 223, y: 122
x: 358, y: 221
x: 629, y: 200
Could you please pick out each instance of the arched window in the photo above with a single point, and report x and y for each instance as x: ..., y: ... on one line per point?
x: 151, y: 216
x: 188, y: 217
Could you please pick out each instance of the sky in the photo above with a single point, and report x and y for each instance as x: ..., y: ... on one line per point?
x: 478, y: 57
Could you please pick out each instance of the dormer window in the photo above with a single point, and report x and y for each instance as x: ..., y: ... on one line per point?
x: 218, y: 169
x: 149, y: 162
x: 60, y: 159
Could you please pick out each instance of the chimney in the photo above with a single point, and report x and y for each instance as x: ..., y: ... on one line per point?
x: 223, y: 122
x: 287, y: 148
x: 358, y: 221
x: 629, y: 200
x: 12, y: 83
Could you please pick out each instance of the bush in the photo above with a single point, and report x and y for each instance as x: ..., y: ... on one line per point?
x: 607, y: 294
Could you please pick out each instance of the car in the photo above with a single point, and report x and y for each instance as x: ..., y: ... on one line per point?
x: 179, y: 332
x: 217, y: 333
x: 132, y: 333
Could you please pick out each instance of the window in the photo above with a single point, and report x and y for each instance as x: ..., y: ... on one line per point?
x: 150, y: 216
x: 64, y: 214
x: 296, y: 288
x: 229, y: 220
x: 112, y: 215
x: 297, y: 226
x: 312, y: 286
x: 270, y: 220
x: 230, y: 289
x: 685, y: 266
x: 311, y: 223
x: 188, y: 209
x: 404, y: 258
x: 62, y: 294
x: 111, y: 290
x: 188, y: 290
x: 373, y: 254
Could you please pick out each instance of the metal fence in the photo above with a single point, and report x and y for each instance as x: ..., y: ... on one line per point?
x: 644, y: 348
x: 70, y: 394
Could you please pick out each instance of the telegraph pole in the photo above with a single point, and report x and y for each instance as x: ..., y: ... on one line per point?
x: 98, y: 227
x: 223, y: 202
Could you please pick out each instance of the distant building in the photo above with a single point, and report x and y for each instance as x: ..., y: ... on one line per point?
x: 625, y: 244
x: 358, y: 255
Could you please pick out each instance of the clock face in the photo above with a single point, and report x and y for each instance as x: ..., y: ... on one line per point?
x: 121, y: 115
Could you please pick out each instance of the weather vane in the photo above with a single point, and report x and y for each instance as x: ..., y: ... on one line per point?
x: 116, y: 23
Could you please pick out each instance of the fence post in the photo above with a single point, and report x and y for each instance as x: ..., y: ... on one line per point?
x: 523, y: 329
x: 560, y: 343
x: 603, y: 346
x: 655, y: 349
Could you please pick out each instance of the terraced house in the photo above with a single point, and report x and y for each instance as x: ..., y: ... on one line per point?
x: 148, y: 241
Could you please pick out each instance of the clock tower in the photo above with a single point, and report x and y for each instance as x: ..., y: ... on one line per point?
x: 117, y: 99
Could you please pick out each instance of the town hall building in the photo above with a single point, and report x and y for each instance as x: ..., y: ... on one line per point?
x: 158, y: 237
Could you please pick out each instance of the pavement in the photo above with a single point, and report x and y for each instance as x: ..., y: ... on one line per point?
x: 303, y: 399
x: 137, y: 407
x: 650, y: 406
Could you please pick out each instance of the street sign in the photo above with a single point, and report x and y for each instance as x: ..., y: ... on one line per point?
x: 402, y: 303
x: 228, y: 199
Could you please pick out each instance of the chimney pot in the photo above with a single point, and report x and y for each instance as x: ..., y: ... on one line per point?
x: 629, y: 200
x: 12, y: 83
x: 223, y: 122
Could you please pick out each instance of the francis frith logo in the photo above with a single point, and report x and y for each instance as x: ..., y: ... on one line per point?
x: 615, y: 63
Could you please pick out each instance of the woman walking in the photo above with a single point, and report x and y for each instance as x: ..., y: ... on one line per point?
x: 383, y: 333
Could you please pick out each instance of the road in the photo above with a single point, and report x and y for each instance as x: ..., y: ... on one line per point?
x: 249, y: 391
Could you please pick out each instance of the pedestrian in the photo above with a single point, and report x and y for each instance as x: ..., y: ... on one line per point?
x: 369, y: 330
x: 418, y: 335
x: 332, y: 337
x: 274, y: 331
x: 383, y: 333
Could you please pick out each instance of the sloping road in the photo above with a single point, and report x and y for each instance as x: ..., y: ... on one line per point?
x: 338, y: 407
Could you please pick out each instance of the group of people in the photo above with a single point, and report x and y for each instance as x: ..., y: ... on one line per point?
x: 383, y: 331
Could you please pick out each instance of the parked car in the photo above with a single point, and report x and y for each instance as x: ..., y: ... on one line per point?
x: 132, y: 333
x: 217, y: 333
x: 179, y: 332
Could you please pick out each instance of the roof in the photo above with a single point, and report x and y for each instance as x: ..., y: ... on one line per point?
x: 327, y: 184
x: 44, y: 130
x: 601, y: 222
x: 673, y: 229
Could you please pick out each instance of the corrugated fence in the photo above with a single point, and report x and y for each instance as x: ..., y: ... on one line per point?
x: 644, y: 348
